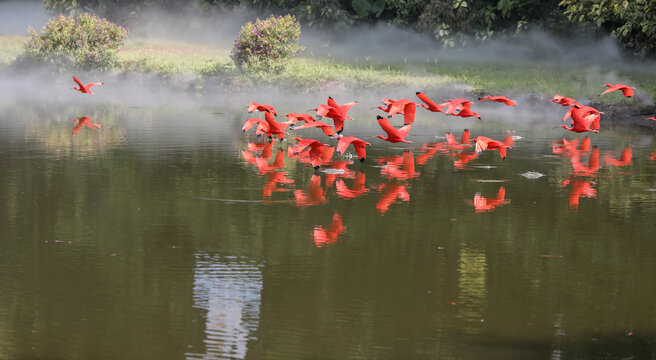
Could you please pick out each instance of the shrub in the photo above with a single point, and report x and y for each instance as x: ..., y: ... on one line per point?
x: 85, y: 41
x: 267, y: 45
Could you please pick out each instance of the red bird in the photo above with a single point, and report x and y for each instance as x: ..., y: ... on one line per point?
x: 316, y: 150
x: 652, y: 119
x: 430, y: 104
x: 358, y: 144
x: 626, y: 90
x: 465, y: 111
x: 483, y: 143
x: 393, y: 135
x: 329, y: 236
x: 481, y: 203
x: 82, y: 121
x: 583, y: 120
x: 269, y: 126
x: 564, y: 101
x: 85, y: 88
x: 501, y: 99
x: 336, y: 112
x: 294, y: 117
x: 261, y: 107
x: 327, y: 129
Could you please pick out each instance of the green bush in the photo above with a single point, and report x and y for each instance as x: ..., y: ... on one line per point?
x: 85, y: 41
x: 267, y: 45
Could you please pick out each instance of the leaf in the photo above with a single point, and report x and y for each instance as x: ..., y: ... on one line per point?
x: 377, y: 7
x: 362, y: 7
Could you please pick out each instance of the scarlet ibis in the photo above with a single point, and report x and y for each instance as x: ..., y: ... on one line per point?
x: 336, y: 112
x: 84, y: 121
x: 564, y: 101
x: 84, y: 88
x: 329, y: 236
x: 295, y: 117
x: 358, y: 144
x: 261, y: 107
x: 430, y: 104
x: 501, y: 99
x: 467, y: 112
x: 393, y: 135
x: 585, y: 112
x: 327, y: 129
x: 652, y: 119
x: 481, y: 203
x: 316, y: 150
x: 624, y: 159
x: 582, y: 120
x: 626, y: 90
x: 483, y: 143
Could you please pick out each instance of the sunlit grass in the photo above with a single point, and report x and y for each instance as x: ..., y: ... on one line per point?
x: 10, y: 47
x: 313, y: 73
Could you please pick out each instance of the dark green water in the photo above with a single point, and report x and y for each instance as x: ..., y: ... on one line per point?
x: 154, y: 237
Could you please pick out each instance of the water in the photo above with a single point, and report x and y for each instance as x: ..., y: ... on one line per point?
x: 165, y: 235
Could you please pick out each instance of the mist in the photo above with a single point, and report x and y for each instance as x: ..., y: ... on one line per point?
x: 377, y: 43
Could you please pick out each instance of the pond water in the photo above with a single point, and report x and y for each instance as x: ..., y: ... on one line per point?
x: 166, y: 233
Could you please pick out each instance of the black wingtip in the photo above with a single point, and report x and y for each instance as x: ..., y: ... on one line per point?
x: 378, y: 117
x: 418, y: 92
x: 330, y: 97
x: 363, y: 159
x: 338, y: 153
x: 316, y: 168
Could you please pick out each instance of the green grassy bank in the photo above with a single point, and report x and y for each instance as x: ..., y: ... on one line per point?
x: 212, y: 64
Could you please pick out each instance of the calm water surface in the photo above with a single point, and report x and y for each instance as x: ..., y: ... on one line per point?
x: 168, y: 234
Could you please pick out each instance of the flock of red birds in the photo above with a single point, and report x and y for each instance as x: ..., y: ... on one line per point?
x: 399, y: 168
x: 402, y: 167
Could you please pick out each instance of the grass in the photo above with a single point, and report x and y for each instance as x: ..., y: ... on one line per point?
x: 311, y: 73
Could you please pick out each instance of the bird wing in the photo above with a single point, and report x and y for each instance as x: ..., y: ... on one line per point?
x: 312, y: 124
x: 481, y: 143
x: 331, y: 102
x: 627, y: 91
x: 387, y: 127
x: 78, y: 82
x: 403, y: 132
x: 93, y: 84
x: 249, y: 124
x: 344, y: 143
x: 359, y: 146
x: 432, y: 106
x: 409, y: 113
x: 450, y: 139
x: 346, y: 107
x: 303, y: 143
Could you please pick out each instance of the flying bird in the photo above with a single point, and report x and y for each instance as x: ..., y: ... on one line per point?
x: 358, y: 144
x: 483, y: 143
x: 84, y: 88
x: 501, y: 99
x: 430, y: 104
x: 316, y: 150
x: 626, y: 90
x: 393, y: 135
x: 261, y: 107
x: 328, y: 130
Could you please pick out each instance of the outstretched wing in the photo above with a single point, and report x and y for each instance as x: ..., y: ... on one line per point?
x: 346, y: 107
x: 344, y: 143
x: 481, y: 143
x: 387, y: 127
x: 403, y: 132
x: 78, y: 82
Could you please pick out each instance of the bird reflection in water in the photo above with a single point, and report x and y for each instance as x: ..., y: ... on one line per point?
x: 483, y: 204
x: 623, y: 160
x: 329, y: 236
x: 84, y: 121
x: 579, y: 188
x: 391, y: 192
x: 358, y: 188
x: 314, y: 195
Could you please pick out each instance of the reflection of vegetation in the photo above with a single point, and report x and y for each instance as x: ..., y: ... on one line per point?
x: 55, y: 132
x: 472, y: 288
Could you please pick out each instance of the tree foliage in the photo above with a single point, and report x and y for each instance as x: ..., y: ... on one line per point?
x: 451, y: 22
x: 85, y: 41
x: 633, y: 22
